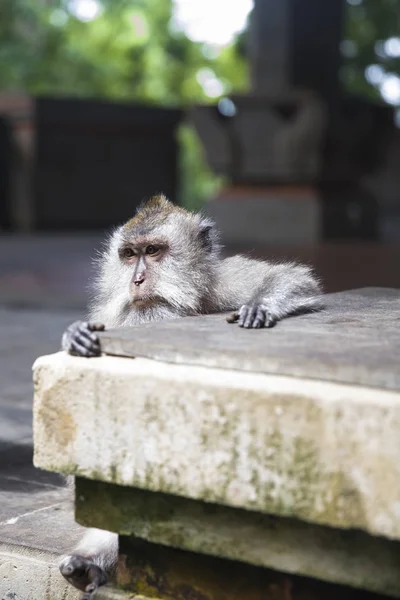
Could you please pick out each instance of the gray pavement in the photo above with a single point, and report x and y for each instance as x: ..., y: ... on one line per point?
x: 43, y: 288
x: 24, y: 490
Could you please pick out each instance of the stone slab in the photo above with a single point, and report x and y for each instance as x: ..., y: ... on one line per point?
x: 351, y: 558
x: 356, y: 339
x: 322, y: 452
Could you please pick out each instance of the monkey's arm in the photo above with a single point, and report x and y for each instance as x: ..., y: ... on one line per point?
x: 264, y: 293
x: 80, y: 339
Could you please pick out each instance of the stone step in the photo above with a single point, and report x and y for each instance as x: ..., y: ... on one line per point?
x: 36, y: 527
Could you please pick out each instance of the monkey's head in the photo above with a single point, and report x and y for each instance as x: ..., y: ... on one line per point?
x: 164, y: 257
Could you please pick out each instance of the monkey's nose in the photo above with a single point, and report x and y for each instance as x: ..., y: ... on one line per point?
x: 139, y: 279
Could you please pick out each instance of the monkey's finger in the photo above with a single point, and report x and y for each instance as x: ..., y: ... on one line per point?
x: 270, y: 320
x: 258, y: 323
x: 97, y: 577
x: 78, y: 349
x: 233, y: 317
x: 259, y: 320
x: 88, y: 342
x: 243, y: 315
x: 95, y: 326
x: 88, y: 334
x: 251, y: 315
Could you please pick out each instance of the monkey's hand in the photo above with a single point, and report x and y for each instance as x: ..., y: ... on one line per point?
x: 83, y: 574
x: 80, y: 339
x: 253, y: 315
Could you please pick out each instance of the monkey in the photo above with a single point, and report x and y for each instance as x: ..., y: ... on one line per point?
x: 166, y: 263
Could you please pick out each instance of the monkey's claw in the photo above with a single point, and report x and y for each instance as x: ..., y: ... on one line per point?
x: 82, y: 574
x: 253, y: 316
x: 80, y: 339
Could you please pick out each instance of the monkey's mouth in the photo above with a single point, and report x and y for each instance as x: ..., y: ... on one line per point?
x: 142, y: 301
x: 145, y: 300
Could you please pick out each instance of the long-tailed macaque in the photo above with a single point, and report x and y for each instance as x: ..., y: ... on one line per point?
x: 162, y: 264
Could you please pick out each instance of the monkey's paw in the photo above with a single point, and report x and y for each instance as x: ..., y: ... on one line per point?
x: 82, y: 574
x: 80, y: 339
x: 253, y: 316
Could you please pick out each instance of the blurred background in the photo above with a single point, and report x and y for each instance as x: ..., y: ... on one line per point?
x: 281, y: 119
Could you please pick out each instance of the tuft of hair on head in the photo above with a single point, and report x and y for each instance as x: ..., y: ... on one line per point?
x: 155, y: 209
x: 158, y: 202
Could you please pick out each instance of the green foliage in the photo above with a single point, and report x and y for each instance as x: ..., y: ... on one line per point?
x: 130, y: 52
x: 368, y: 24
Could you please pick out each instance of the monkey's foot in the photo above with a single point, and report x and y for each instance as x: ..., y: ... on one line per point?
x: 80, y: 339
x: 252, y: 316
x: 83, y: 574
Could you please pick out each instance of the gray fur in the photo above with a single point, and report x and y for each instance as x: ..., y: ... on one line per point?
x: 191, y: 278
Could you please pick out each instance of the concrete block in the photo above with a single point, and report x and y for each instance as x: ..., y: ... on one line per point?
x: 322, y: 452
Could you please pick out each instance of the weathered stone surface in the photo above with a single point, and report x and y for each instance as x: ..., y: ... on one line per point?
x: 322, y: 452
x: 352, y: 558
x: 28, y: 574
x: 171, y: 574
x: 356, y: 339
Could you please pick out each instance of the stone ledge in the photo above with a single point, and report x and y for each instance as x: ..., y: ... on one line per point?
x: 351, y: 558
x: 321, y: 452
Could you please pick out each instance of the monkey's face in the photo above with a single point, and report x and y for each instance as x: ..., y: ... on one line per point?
x: 167, y: 265
x: 142, y: 258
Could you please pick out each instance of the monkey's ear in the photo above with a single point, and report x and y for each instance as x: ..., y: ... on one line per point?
x: 206, y: 234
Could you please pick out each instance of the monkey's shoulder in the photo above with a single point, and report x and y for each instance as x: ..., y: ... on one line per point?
x: 240, y: 265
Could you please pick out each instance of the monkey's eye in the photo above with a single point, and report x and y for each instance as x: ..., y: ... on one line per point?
x: 128, y: 253
x: 151, y: 249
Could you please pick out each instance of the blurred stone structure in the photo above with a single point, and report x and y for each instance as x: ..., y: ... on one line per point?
x: 73, y: 164
x: 17, y: 139
x: 296, y: 147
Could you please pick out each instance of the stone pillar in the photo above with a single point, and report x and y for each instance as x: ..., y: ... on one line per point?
x: 296, y: 147
x: 295, y: 43
x: 268, y: 46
